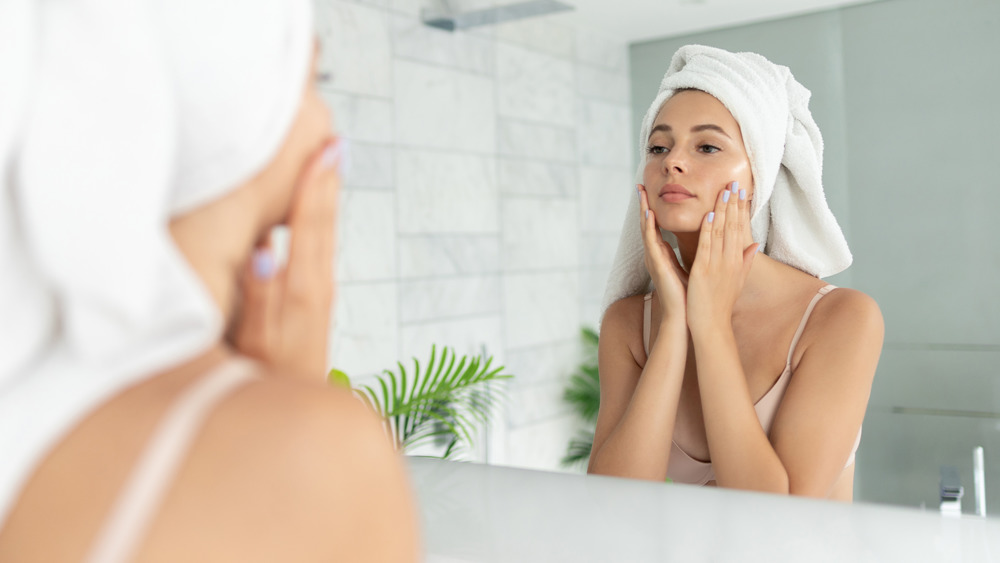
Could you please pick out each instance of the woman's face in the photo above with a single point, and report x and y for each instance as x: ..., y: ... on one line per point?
x: 695, y: 151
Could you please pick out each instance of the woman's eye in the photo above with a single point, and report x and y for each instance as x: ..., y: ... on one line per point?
x: 657, y: 150
x: 709, y: 149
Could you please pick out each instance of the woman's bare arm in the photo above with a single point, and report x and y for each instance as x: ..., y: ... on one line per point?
x: 820, y: 414
x: 823, y: 408
x: 635, y: 424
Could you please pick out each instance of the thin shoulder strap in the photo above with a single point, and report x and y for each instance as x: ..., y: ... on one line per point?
x: 805, y: 319
x: 140, y: 498
x: 647, y: 314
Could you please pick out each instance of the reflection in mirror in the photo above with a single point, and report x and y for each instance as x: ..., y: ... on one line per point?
x: 492, y: 168
x: 730, y: 165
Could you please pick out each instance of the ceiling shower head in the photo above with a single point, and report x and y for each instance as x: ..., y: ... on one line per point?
x: 449, y: 20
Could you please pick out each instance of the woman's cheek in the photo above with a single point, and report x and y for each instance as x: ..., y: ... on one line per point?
x: 648, y: 173
x: 742, y: 173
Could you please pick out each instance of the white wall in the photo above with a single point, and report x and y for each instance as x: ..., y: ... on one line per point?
x: 490, y: 171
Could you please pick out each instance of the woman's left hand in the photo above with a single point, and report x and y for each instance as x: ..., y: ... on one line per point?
x: 722, y: 263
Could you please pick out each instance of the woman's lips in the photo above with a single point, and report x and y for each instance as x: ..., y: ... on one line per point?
x: 672, y: 193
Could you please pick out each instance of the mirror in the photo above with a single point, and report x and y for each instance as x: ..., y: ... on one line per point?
x: 490, y: 170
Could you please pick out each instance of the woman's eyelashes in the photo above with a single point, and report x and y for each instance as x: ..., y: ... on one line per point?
x: 703, y: 148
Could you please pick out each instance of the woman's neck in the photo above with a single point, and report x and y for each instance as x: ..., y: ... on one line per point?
x: 760, y: 276
x: 687, y: 243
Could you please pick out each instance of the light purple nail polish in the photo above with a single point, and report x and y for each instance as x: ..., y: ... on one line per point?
x: 736, y: 186
x: 711, y: 216
x: 743, y: 195
x: 264, y: 266
x: 332, y: 154
x: 647, y: 214
x: 725, y: 196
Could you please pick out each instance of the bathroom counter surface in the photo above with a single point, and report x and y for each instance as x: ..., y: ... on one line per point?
x: 481, y: 513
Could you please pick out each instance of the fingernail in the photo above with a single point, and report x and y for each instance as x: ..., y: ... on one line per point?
x: 638, y: 188
x: 743, y: 195
x: 332, y: 154
x: 759, y: 248
x: 711, y: 216
x: 263, y: 264
x: 725, y: 196
x: 647, y: 214
x: 736, y: 185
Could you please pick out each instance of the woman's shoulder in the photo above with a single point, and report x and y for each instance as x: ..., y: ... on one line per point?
x: 844, y: 304
x: 622, y: 325
x: 839, y: 305
x: 845, y: 319
x: 624, y: 315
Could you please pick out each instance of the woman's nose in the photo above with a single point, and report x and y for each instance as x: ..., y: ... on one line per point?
x: 674, y: 162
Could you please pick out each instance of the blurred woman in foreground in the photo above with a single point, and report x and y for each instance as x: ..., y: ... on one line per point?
x: 148, y: 148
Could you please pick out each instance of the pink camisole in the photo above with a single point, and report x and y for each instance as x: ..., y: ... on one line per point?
x: 685, y: 469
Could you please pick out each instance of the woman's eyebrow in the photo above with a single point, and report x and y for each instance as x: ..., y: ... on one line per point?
x: 710, y: 127
x: 706, y: 127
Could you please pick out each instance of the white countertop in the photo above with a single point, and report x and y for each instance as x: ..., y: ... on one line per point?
x: 475, y: 512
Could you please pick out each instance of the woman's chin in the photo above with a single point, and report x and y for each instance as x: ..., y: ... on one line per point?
x: 678, y: 225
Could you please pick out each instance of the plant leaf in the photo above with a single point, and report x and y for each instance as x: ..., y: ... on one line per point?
x: 452, y: 397
x: 338, y: 378
x: 578, y: 450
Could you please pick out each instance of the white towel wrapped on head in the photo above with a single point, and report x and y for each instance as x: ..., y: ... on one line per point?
x: 789, y: 214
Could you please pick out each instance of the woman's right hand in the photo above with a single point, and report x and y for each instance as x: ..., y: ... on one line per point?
x: 669, y: 277
x: 285, y: 315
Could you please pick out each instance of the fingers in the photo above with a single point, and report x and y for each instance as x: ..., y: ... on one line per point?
x: 708, y: 223
x: 643, y: 205
x: 733, y: 240
x: 307, y: 281
x: 647, y: 221
x: 722, y: 229
x: 259, y: 304
x: 744, y: 208
x: 722, y: 224
x: 312, y: 222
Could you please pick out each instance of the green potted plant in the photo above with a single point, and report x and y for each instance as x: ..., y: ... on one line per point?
x: 446, y: 403
x: 583, y: 393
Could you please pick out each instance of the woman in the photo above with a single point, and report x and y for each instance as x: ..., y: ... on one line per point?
x: 741, y: 368
x: 151, y: 148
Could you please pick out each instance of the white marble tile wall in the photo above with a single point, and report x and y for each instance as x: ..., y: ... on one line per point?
x: 440, y: 108
x: 365, y: 338
x: 534, y: 86
x: 446, y: 192
x: 368, y: 216
x: 433, y: 256
x: 540, y: 308
x: 489, y: 171
x: 428, y: 300
x: 535, y: 140
x: 356, y: 47
x: 540, y: 234
x: 529, y: 177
